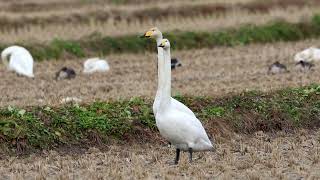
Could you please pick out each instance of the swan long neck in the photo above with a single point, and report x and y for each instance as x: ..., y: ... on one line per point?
x: 160, y: 61
x: 166, y: 90
x: 160, y: 66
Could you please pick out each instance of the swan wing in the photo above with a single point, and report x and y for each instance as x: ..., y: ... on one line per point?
x: 181, y: 107
x: 22, y: 63
x: 183, y: 130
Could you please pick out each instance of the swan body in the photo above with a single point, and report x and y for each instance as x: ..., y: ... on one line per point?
x: 308, y: 55
x: 95, y: 65
x: 156, y: 34
x: 18, y: 59
x: 183, y: 130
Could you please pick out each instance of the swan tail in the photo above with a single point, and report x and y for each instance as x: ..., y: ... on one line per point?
x: 206, y: 145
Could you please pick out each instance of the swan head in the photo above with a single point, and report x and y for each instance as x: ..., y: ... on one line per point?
x: 165, y: 44
x: 153, y: 33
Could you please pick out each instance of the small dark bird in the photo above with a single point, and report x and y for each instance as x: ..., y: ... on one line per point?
x: 65, y: 73
x: 175, y: 63
x: 277, y: 68
x: 304, y: 66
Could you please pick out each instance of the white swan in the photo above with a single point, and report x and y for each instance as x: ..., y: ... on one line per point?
x: 156, y: 34
x: 308, y: 55
x: 18, y: 59
x: 95, y: 65
x: 183, y: 130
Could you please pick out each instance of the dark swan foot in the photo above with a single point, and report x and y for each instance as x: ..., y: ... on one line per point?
x: 190, y: 155
x: 176, y: 160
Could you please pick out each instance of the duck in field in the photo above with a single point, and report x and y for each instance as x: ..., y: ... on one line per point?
x: 65, y: 73
x: 277, y: 68
x: 19, y: 60
x: 95, y: 65
x: 155, y: 33
x: 183, y: 130
x: 175, y: 63
x: 304, y: 66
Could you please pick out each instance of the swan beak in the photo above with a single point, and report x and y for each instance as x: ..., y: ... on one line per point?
x: 161, y: 45
x: 147, y: 34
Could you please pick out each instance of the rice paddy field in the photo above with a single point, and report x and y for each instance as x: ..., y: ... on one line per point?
x: 264, y: 126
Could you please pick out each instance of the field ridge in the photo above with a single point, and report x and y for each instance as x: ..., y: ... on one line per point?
x: 98, y: 15
x: 32, y: 128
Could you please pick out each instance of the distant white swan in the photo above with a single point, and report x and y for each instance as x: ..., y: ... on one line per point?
x: 181, y: 129
x: 95, y: 65
x: 156, y: 34
x: 308, y: 55
x: 18, y: 59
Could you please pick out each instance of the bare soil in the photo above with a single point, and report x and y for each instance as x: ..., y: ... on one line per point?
x: 204, y: 72
x: 260, y: 156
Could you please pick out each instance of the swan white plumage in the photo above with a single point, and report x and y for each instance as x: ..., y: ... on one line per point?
x: 183, y: 130
x: 308, y: 55
x: 156, y: 34
x: 18, y: 59
x: 95, y: 65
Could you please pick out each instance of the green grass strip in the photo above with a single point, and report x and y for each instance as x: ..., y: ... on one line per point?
x: 247, y: 34
x: 46, y: 127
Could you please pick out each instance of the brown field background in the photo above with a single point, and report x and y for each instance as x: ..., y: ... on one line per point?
x: 205, y: 72
x: 109, y: 20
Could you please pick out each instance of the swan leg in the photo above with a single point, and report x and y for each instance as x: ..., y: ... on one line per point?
x: 190, y: 155
x: 177, y: 156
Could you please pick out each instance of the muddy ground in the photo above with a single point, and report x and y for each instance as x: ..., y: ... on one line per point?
x: 260, y: 156
x: 204, y: 72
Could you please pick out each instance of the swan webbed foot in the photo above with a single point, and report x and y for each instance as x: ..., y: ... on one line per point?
x: 190, y: 155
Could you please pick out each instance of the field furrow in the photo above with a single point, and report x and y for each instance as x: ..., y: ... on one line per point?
x: 71, y: 30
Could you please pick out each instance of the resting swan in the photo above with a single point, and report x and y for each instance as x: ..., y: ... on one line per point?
x: 18, y: 59
x: 308, y: 55
x: 95, y: 65
x: 182, y: 130
x: 156, y: 34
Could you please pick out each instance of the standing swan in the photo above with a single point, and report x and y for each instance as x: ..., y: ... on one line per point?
x: 183, y: 130
x: 18, y: 59
x: 156, y: 34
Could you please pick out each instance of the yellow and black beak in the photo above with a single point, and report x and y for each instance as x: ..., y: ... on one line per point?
x: 148, y: 34
x: 161, y: 45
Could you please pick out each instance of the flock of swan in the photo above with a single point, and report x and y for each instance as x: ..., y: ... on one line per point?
x: 175, y: 121
x: 19, y: 60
